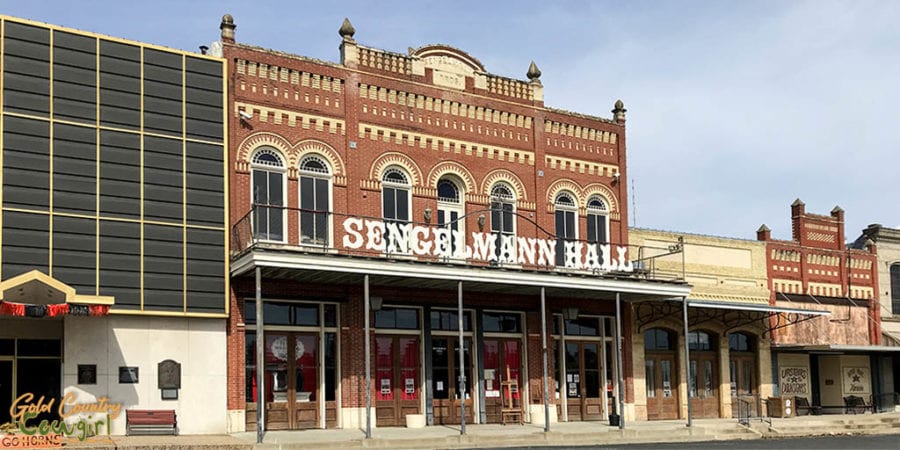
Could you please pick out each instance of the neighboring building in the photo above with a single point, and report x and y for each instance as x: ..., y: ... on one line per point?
x: 730, y: 329
x: 825, y: 359
x: 427, y: 188
x: 114, y: 238
x: 888, y: 242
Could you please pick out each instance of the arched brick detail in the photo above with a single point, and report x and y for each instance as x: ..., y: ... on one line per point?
x: 320, y: 148
x: 603, y: 191
x: 396, y: 159
x: 507, y: 176
x: 454, y: 168
x: 254, y: 141
x: 561, y: 185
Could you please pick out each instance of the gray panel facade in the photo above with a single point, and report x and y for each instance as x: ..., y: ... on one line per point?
x: 114, y: 168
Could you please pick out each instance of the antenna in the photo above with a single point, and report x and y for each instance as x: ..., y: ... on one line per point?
x: 633, y: 205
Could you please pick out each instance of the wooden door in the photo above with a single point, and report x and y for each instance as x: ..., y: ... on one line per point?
x: 704, y: 385
x: 304, y: 383
x: 446, y: 387
x: 396, y: 379
x: 292, y: 382
x: 661, y: 385
x: 501, y: 356
x: 743, y: 384
x: 583, y: 387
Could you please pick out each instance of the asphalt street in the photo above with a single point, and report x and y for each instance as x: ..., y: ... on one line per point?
x: 866, y: 442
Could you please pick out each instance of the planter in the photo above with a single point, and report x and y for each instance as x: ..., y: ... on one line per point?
x: 415, y: 421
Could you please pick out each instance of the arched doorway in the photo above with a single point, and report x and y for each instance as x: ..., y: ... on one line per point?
x: 661, y: 376
x: 704, y: 380
x: 742, y: 370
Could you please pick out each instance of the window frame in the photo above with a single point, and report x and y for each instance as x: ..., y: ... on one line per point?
x: 269, y: 169
x: 447, y: 207
x: 328, y: 177
x: 594, y: 213
x: 406, y: 185
x: 569, y: 212
x: 503, y: 200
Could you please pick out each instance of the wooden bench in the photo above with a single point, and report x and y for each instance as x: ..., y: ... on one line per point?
x: 855, y: 405
x: 150, y: 421
x: 802, y: 407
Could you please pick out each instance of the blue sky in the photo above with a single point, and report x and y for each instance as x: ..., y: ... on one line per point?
x: 734, y: 108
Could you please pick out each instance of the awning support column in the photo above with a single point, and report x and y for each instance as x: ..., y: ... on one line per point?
x: 687, y: 359
x: 367, y: 308
x: 544, y: 358
x: 260, y: 363
x: 619, y: 371
x: 462, y: 373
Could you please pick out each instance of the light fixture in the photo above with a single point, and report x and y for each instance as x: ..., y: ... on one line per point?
x: 615, y: 179
x: 428, y: 215
x: 481, y: 220
x: 570, y: 313
x: 245, y: 115
x: 375, y: 303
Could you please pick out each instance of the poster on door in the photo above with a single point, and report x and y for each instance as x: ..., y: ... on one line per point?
x: 856, y: 381
x: 386, y: 386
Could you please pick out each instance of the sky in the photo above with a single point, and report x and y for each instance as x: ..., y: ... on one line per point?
x: 735, y: 109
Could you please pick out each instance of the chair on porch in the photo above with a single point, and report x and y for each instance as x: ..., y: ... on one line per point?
x: 803, y: 408
x: 855, y: 405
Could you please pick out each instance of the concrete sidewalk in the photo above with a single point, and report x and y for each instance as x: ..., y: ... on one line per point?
x: 561, y: 434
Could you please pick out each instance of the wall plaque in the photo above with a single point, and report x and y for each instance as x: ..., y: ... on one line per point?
x: 87, y: 374
x: 128, y: 375
x: 169, y: 375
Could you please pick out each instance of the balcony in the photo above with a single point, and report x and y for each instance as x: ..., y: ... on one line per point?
x: 287, y: 229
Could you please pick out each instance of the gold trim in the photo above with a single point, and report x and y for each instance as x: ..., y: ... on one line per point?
x: 142, y: 136
x: 107, y: 37
x: 69, y: 292
x: 50, y: 163
x: 227, y: 186
x: 2, y: 119
x: 114, y: 219
x: 97, y: 167
x: 184, y: 243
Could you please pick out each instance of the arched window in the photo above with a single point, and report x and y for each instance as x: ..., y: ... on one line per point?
x: 740, y: 342
x: 395, y: 201
x: 268, y: 194
x: 658, y: 339
x: 597, y: 220
x: 450, y: 208
x: 315, y: 200
x: 503, y: 220
x: 700, y: 341
x: 566, y: 224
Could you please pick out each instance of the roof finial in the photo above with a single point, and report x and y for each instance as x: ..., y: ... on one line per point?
x: 227, y: 26
x: 534, y: 74
x: 347, y: 31
x: 619, y: 111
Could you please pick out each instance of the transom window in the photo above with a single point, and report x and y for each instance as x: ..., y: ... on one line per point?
x: 658, y: 339
x: 397, y: 318
x: 497, y: 322
x: 448, y: 191
x: 740, y: 342
x: 700, y: 341
x: 267, y: 157
x: 315, y: 164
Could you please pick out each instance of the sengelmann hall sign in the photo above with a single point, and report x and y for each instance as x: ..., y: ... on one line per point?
x: 406, y: 238
x: 79, y: 420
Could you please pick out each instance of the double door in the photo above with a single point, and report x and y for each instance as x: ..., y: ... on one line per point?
x: 446, y: 380
x: 292, y: 381
x: 584, y: 398
x: 743, y: 384
x: 704, y: 385
x: 661, y: 384
x: 502, y: 380
x: 396, y: 379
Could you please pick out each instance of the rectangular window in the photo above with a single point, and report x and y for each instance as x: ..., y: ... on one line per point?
x: 495, y: 322
x: 448, y: 321
x: 895, y: 288
x: 397, y: 318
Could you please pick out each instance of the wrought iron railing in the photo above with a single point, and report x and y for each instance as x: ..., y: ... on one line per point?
x: 287, y: 228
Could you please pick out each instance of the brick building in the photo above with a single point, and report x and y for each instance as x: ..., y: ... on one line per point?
x: 114, y: 226
x: 825, y: 359
x: 445, y: 203
x: 888, y: 242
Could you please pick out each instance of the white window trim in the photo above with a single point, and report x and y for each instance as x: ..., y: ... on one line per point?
x: 408, y: 187
x: 284, y: 182
x: 600, y: 212
x: 329, y: 177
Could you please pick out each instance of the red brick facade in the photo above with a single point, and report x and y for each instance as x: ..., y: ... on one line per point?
x: 817, y: 269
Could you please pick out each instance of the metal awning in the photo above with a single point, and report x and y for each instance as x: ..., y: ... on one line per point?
x: 755, y: 307
x: 832, y: 348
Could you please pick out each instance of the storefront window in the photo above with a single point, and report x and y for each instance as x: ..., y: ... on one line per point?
x: 284, y: 313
